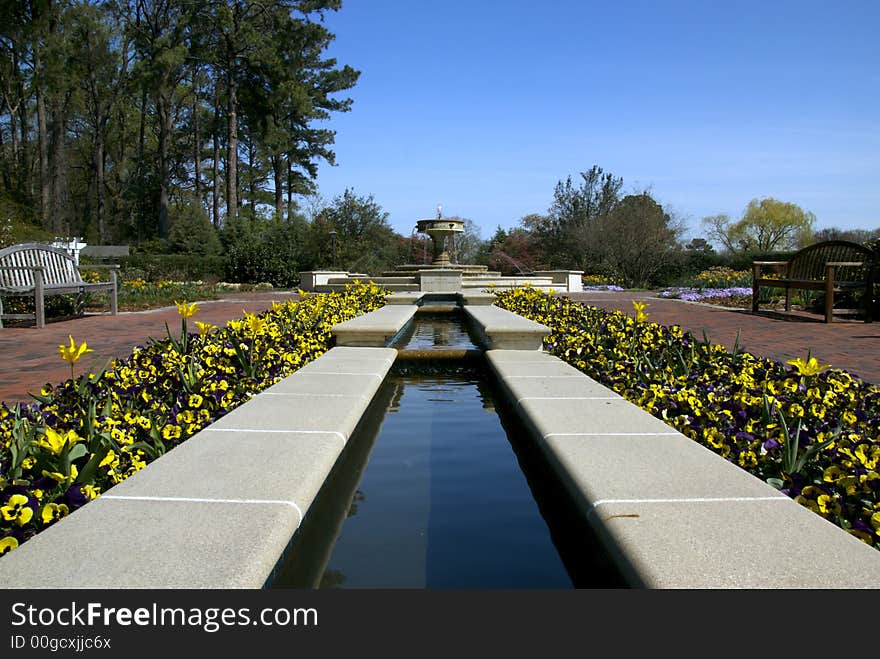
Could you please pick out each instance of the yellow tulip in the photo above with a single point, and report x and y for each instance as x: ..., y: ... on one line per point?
x: 73, y: 352
x: 809, y: 367
x: 204, y: 328
x: 55, y: 442
x: 641, y: 316
x: 186, y: 310
x: 254, y: 323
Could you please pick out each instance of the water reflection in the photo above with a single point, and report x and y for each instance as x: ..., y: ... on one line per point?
x: 436, y: 331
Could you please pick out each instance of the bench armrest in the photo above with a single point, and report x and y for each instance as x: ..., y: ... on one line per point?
x: 99, y: 266
x: 852, y: 264
x: 769, y: 262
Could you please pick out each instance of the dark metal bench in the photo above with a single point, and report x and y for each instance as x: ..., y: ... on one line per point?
x: 833, y: 266
x: 41, y: 270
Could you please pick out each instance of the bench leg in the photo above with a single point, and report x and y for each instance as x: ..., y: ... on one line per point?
x: 114, y: 304
x: 787, y: 298
x: 755, y: 297
x: 39, y: 299
x: 829, y: 296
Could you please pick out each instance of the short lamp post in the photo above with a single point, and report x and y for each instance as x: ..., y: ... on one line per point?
x: 333, y: 247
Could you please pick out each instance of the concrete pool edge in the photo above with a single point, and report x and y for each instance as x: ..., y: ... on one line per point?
x: 670, y: 512
x: 220, y: 509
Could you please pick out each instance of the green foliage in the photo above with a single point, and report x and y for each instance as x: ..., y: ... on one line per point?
x: 115, y: 106
x: 568, y: 231
x: 174, y: 267
x: 18, y: 225
x: 637, y: 239
x: 364, y: 240
x: 264, y: 250
x: 192, y: 232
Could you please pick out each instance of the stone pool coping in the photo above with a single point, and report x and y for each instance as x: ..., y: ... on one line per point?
x: 220, y: 509
x: 670, y: 512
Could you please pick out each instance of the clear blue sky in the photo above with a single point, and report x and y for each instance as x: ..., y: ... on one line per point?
x: 483, y: 106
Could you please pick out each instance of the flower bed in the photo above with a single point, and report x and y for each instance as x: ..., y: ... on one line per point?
x: 87, y: 434
x: 690, y: 294
x: 601, y: 283
x: 811, y: 431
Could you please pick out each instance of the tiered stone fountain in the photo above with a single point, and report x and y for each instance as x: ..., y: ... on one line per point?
x: 440, y: 229
x: 442, y: 275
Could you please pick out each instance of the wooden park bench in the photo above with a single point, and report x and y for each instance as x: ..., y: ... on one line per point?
x: 40, y: 270
x: 833, y: 266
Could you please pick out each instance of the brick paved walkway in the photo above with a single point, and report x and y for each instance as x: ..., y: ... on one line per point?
x: 30, y: 356
x: 851, y: 345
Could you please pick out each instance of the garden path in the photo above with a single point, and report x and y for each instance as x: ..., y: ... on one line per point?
x: 851, y: 345
x: 31, y: 359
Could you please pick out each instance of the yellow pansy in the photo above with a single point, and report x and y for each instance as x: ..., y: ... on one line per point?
x: 16, y: 510
x: 55, y: 442
x: 7, y: 544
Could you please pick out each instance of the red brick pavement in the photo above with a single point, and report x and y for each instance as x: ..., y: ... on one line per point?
x: 851, y: 345
x: 30, y: 356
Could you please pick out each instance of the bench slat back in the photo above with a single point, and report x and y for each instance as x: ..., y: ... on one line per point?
x: 809, y: 263
x: 59, y: 267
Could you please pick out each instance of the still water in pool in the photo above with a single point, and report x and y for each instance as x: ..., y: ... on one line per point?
x: 435, y: 331
x: 443, y: 502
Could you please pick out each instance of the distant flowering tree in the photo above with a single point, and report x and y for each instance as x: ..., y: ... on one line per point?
x: 767, y: 225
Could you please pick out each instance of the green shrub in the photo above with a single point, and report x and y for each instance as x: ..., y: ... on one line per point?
x: 261, y: 250
x: 192, y: 232
x: 174, y: 267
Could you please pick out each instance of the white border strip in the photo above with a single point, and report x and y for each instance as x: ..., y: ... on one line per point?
x: 272, y: 502
x: 612, y: 434
x: 571, y: 375
x: 520, y: 400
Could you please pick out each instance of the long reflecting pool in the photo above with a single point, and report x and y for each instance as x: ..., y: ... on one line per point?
x: 437, y: 489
